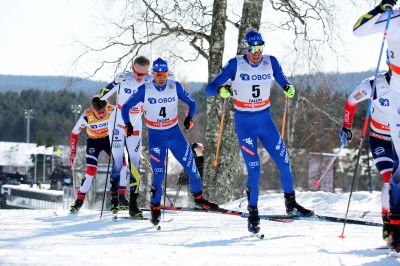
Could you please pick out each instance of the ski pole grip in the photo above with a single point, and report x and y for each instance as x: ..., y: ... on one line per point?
x: 387, y: 7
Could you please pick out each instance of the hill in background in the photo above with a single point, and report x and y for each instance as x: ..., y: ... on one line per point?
x: 341, y: 82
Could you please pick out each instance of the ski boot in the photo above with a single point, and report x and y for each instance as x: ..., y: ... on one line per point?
x: 155, y: 214
x: 253, y: 220
x: 78, y: 203
x: 114, y: 203
x: 134, y: 211
x: 293, y: 208
x: 123, y: 203
x: 203, y: 203
x: 386, y: 226
x: 394, y: 242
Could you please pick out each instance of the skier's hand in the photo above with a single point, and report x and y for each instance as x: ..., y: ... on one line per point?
x: 289, y: 91
x: 346, y: 135
x: 386, y: 5
x: 128, y: 129
x: 225, y: 91
x: 188, y: 123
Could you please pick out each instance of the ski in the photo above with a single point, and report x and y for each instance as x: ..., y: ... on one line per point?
x: 278, y: 218
x: 143, y: 219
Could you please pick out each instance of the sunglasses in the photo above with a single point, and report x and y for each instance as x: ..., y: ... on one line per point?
x: 161, y: 74
x: 139, y: 74
x: 255, y: 48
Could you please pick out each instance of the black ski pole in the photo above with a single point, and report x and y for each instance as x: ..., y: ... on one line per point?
x: 364, y: 131
x: 109, y: 157
x: 165, y: 181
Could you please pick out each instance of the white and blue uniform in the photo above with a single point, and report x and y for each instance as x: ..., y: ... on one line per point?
x: 161, y: 117
x: 375, y: 22
x: 251, y: 86
x: 125, y: 86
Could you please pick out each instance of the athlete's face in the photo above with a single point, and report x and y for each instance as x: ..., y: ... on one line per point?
x: 254, y: 58
x: 100, y: 113
x: 161, y: 78
x: 140, y: 72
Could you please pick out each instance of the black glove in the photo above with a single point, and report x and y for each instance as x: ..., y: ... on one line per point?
x: 348, y: 133
x: 387, y: 5
x: 188, y: 123
x: 128, y: 129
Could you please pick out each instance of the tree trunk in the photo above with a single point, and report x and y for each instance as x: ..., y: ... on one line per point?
x: 216, y: 183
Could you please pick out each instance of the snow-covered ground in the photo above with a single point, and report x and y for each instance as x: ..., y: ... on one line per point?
x: 48, y: 237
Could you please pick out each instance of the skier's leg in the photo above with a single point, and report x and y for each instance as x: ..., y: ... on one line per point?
x: 274, y: 144
x: 117, y: 150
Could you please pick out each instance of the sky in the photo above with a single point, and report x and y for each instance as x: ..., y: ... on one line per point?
x: 41, y: 38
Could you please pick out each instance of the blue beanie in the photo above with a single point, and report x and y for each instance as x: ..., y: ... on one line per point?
x: 160, y: 65
x: 254, y: 38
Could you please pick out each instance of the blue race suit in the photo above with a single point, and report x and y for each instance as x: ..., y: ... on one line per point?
x: 253, y: 117
x: 160, y: 105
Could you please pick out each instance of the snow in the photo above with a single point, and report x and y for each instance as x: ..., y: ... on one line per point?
x: 52, y: 237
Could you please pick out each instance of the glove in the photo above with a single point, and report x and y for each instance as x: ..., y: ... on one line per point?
x: 386, y: 5
x: 289, y: 91
x: 225, y: 91
x: 128, y: 129
x: 71, y: 158
x: 188, y: 123
x: 345, y: 135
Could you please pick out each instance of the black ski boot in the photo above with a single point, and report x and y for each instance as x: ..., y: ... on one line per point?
x: 395, y: 232
x: 386, y: 226
x: 78, y: 202
x: 77, y: 205
x: 293, y: 208
x: 155, y: 214
x: 203, y: 203
x: 134, y: 211
x: 114, y: 202
x: 253, y: 221
x: 123, y: 203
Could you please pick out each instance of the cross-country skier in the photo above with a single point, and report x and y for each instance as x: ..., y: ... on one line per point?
x: 125, y: 85
x: 375, y: 22
x: 251, y: 76
x: 95, y: 119
x: 160, y: 98
x: 379, y: 136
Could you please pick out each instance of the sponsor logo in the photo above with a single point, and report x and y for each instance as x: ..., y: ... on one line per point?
x: 186, y: 153
x: 127, y: 90
x: 278, y: 146
x: 116, y: 145
x: 156, y: 150
x: 91, y: 117
x: 249, y: 141
x: 154, y: 158
x: 247, y: 77
x: 152, y: 100
x: 116, y: 131
x: 91, y: 150
x: 161, y: 100
x: 138, y: 146
x: 265, y: 62
x: 379, y: 151
x: 99, y: 125
x: 254, y: 164
x: 244, y: 76
x: 158, y: 170
x: 384, y: 102
x: 247, y: 150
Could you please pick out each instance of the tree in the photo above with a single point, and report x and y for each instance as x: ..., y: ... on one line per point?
x: 171, y: 26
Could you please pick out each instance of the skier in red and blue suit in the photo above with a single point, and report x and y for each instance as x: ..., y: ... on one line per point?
x: 160, y: 99
x: 251, y: 77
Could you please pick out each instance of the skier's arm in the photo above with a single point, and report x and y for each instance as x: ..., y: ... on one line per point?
x: 361, y: 93
x: 279, y: 76
x: 372, y: 22
x: 132, y: 101
x: 73, y: 141
x: 111, y: 88
x: 227, y: 72
x: 186, y: 98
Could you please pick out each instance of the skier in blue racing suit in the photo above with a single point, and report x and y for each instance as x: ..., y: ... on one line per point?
x: 160, y: 98
x: 251, y: 77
